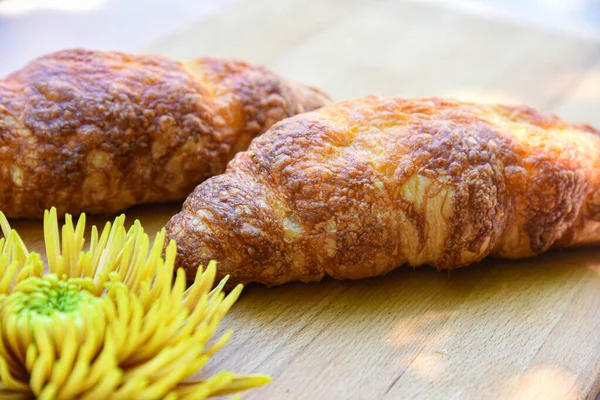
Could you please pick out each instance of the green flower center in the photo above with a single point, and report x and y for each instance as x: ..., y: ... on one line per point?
x: 48, y: 296
x: 64, y: 297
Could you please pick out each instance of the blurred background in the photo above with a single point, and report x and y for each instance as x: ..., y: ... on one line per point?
x: 545, y: 53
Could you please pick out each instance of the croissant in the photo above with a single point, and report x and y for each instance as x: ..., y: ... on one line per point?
x: 100, y: 131
x: 359, y: 188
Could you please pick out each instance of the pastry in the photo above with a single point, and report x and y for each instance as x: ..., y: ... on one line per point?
x: 361, y: 187
x: 101, y: 131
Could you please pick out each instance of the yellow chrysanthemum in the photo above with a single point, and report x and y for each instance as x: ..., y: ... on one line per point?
x: 109, y: 322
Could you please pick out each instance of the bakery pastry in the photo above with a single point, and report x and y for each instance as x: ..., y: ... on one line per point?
x: 359, y: 188
x: 98, y: 131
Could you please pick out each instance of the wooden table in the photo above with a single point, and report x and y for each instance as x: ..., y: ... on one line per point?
x: 523, y: 330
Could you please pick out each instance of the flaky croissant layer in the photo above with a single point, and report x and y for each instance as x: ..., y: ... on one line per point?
x: 361, y: 187
x: 97, y: 131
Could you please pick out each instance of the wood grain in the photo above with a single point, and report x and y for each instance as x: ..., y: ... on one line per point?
x: 480, y: 333
x: 522, y: 330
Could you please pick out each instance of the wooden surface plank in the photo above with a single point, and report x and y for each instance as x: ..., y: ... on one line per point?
x: 500, y: 328
x: 420, y: 334
x: 546, y: 72
x: 582, y: 101
x: 408, y: 50
x: 258, y: 31
x: 357, y: 48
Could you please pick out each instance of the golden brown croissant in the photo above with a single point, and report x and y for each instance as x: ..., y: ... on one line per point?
x: 100, y: 131
x: 361, y: 187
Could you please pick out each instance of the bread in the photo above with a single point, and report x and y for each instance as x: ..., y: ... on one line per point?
x: 359, y: 188
x: 100, y: 131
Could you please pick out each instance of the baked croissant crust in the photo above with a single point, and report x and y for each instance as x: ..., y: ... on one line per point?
x: 359, y: 188
x: 100, y: 131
